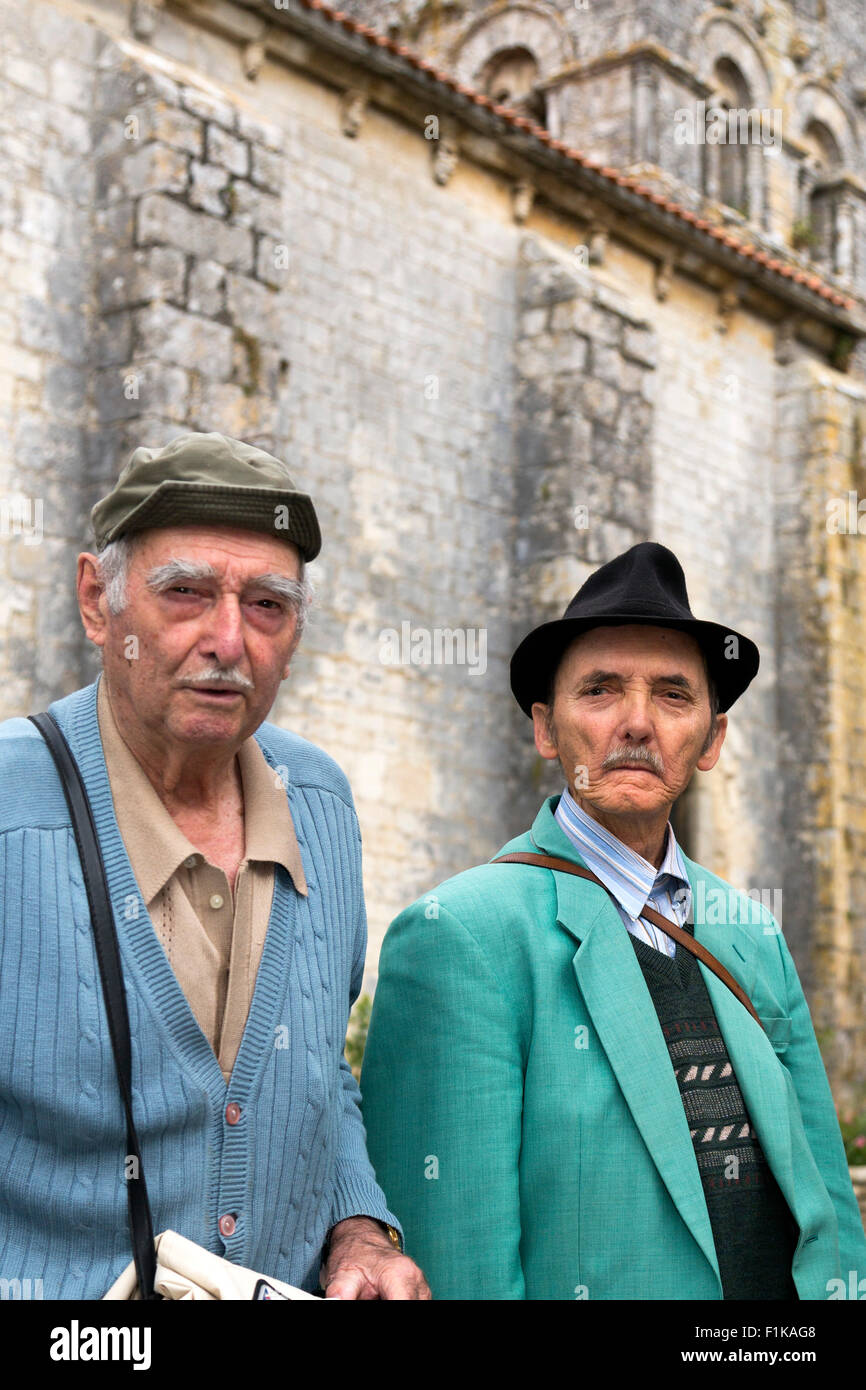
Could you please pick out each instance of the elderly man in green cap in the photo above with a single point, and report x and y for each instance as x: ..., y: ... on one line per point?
x: 232, y: 859
x: 590, y: 1070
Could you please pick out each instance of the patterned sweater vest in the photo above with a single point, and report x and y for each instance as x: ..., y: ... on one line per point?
x: 754, y: 1232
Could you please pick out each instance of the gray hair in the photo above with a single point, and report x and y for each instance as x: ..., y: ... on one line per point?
x: 116, y: 556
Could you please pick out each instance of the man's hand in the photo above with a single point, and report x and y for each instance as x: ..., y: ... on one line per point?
x: 363, y: 1264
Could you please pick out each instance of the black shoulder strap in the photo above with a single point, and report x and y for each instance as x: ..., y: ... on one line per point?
x: 111, y: 973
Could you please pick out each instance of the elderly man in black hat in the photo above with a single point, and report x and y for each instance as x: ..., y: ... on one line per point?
x: 590, y: 1070
x: 232, y: 920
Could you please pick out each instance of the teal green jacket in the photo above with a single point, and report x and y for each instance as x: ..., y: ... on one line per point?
x: 522, y: 1112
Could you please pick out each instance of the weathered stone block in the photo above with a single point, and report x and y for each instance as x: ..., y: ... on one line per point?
x: 114, y: 226
x: 254, y: 307
x: 171, y: 335
x: 569, y: 353
x: 143, y: 169
x: 634, y: 423
x: 227, y: 150
x: 640, y: 344
x: 230, y: 410
x: 546, y: 282
x: 145, y: 388
x: 112, y: 340
x: 600, y: 401
x: 40, y: 216
x: 72, y: 84
x: 606, y: 297
x: 136, y: 277
x: 208, y: 186
x: 606, y: 364
x: 267, y: 169
x: 206, y: 294
x: 273, y: 260
x: 251, y: 207
x: 24, y: 73
x: 161, y: 219
x: 156, y: 120
x: 65, y: 389
x: 122, y: 83
x: 260, y: 132
x: 208, y: 106
x: 533, y: 322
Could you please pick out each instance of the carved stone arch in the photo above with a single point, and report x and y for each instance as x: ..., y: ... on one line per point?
x: 831, y: 207
x: 720, y: 36
x: 812, y: 100
x: 728, y: 58
x: 534, y: 28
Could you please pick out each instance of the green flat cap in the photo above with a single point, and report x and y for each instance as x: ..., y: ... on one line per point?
x: 201, y: 478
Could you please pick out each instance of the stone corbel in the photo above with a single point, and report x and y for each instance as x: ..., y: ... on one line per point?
x: 664, y: 277
x: 143, y: 17
x: 522, y: 198
x: 253, y: 58
x: 446, y: 157
x: 353, y: 109
x: 786, y: 339
x: 728, y: 302
x: 597, y: 244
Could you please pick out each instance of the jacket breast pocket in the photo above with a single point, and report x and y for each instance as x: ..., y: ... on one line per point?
x: 778, y: 1030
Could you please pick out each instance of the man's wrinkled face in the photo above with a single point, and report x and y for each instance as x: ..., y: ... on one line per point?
x: 629, y: 719
x: 200, y: 659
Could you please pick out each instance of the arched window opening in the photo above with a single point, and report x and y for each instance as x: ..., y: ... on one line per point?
x: 817, y: 232
x: 508, y: 77
x: 733, y: 152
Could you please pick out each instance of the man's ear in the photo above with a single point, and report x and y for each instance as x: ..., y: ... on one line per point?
x: 711, y: 757
x: 91, y: 598
x: 542, y: 727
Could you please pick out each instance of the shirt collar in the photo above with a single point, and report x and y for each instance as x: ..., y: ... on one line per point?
x: 627, y: 875
x: 158, y: 845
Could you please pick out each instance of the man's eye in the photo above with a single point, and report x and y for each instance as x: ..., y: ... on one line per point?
x: 181, y: 589
x: 274, y: 602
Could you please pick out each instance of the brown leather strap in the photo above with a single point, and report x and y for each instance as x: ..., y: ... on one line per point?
x: 682, y: 938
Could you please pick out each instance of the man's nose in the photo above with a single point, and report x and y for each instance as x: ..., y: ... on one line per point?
x: 636, y: 716
x: 223, y: 636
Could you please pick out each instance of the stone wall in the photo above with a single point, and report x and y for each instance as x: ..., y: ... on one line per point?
x: 182, y: 247
x: 47, y: 186
x: 822, y: 610
x: 583, y: 420
x: 269, y: 277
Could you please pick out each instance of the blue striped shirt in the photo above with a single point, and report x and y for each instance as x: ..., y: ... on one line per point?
x: 631, y: 879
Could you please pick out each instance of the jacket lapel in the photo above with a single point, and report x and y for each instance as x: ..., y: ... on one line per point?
x: 612, y: 984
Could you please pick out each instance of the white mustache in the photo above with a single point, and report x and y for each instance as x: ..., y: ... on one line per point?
x: 634, y: 758
x: 232, y: 678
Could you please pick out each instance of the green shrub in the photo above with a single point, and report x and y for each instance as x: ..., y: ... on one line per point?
x: 356, y: 1036
x: 852, y: 1122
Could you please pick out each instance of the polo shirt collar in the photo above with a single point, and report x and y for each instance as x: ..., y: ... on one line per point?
x: 158, y: 845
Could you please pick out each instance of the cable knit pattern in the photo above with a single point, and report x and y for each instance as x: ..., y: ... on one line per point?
x: 296, y: 1162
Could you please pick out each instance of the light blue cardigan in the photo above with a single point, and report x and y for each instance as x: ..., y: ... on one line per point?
x: 295, y: 1164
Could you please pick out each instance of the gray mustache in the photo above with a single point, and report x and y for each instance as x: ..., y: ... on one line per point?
x: 638, y: 757
x: 231, y: 677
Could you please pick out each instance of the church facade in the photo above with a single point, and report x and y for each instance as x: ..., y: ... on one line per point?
x: 511, y: 287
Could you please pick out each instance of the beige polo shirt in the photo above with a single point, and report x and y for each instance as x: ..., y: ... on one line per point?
x: 213, y: 940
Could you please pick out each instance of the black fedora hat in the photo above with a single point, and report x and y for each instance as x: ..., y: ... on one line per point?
x: 644, y: 585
